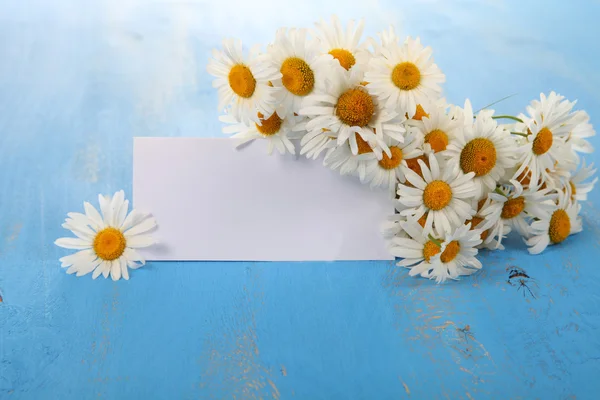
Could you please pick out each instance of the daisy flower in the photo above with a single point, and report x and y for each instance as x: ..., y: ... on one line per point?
x: 456, y: 256
x: 562, y: 222
x: 389, y: 170
x: 516, y: 206
x: 403, y: 76
x: 343, y: 45
x: 483, y: 148
x: 581, y: 131
x: 347, y: 110
x: 275, y: 130
x: 415, y: 248
x: 444, y: 197
x: 436, y: 128
x: 302, y: 66
x: 577, y: 187
x: 243, y: 82
x: 106, y: 242
x: 546, y: 130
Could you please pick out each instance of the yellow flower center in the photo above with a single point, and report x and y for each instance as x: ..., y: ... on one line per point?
x: 391, y: 162
x: 419, y: 113
x: 109, y: 244
x: 513, y: 207
x: 363, y: 146
x: 345, y: 58
x: 430, y: 249
x: 475, y: 221
x: 437, y: 139
x: 560, y: 226
x: 450, y: 252
x: 241, y: 81
x: 479, y: 156
x: 542, y: 142
x: 437, y: 195
x: 270, y: 126
x: 406, y: 76
x: 355, y: 107
x: 298, y: 78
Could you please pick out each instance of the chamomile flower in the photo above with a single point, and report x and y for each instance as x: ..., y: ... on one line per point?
x: 403, y: 76
x: 546, y: 130
x: 304, y: 69
x: 515, y: 206
x: 390, y: 170
x: 577, y: 187
x: 456, y: 256
x: 347, y: 110
x: 444, y: 197
x: 343, y: 44
x: 275, y: 130
x: 106, y: 242
x: 561, y: 223
x: 485, y: 149
x: 414, y: 247
x: 581, y: 131
x: 437, y: 129
x: 243, y: 82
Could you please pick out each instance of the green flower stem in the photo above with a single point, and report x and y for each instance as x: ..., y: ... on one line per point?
x: 507, y: 117
x: 519, y: 133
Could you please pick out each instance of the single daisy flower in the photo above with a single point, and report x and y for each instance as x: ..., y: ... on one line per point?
x: 243, y: 82
x: 444, y: 197
x: 106, y: 242
x: 415, y: 248
x: 347, y: 110
x: 578, y: 186
x: 545, y: 130
x: 303, y: 69
x: 562, y: 222
x: 390, y: 170
x: 437, y: 129
x: 581, y: 131
x: 343, y: 44
x: 456, y: 256
x: 275, y: 130
x: 516, y: 206
x: 483, y: 148
x: 404, y: 76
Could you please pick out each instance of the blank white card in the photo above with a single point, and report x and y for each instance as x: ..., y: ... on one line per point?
x: 213, y: 202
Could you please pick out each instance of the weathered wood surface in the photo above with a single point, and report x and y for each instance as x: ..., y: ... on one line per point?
x: 78, y: 80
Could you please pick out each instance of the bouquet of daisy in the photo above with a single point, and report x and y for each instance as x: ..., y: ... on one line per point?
x: 373, y: 108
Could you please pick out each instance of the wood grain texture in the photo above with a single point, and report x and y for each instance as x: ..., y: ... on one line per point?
x: 78, y: 80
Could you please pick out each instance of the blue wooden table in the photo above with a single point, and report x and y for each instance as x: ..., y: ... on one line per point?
x: 78, y: 80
